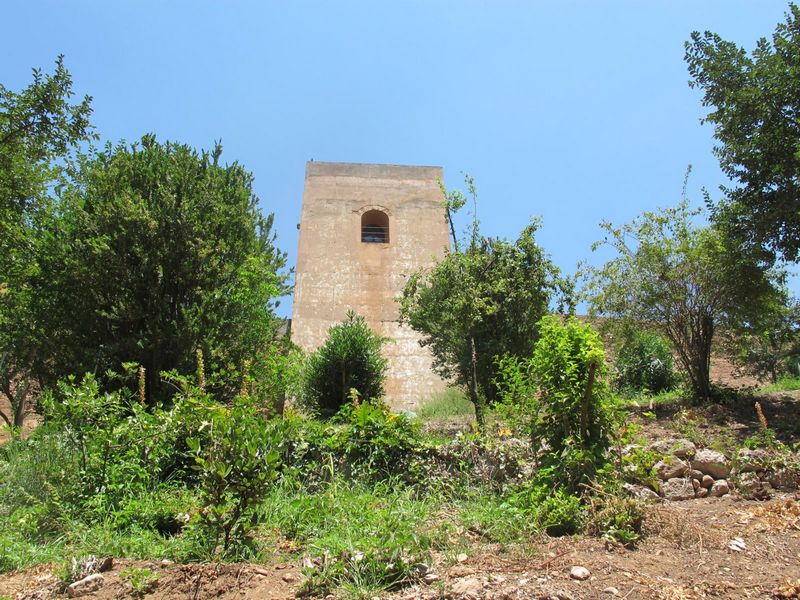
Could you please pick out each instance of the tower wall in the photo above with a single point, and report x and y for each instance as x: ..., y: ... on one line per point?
x: 336, y: 271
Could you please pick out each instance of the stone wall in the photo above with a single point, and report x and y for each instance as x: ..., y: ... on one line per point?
x: 336, y: 271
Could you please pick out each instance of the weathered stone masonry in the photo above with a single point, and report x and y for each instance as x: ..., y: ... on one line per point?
x: 363, y: 230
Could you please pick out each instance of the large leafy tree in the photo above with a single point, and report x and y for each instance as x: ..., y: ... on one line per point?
x: 40, y: 129
x: 158, y: 251
x: 480, y: 302
x: 756, y: 116
x: 684, y: 279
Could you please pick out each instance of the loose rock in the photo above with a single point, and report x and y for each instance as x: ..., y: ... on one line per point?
x: 720, y: 488
x: 678, y: 489
x: 87, y: 585
x: 579, y: 573
x: 669, y: 469
x: 611, y: 590
x: 468, y: 587
x: 712, y: 463
x: 707, y: 481
x: 641, y: 492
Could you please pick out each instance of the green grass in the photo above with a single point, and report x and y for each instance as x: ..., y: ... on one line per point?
x: 363, y: 539
x: 788, y: 383
x: 452, y: 402
x: 646, y: 399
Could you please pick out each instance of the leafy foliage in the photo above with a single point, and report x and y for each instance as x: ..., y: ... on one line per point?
x: 683, y: 280
x: 561, y: 399
x: 350, y: 359
x: 377, y: 445
x: 237, y: 462
x: 755, y: 100
x: 158, y: 251
x: 479, y: 303
x: 770, y: 346
x: 644, y: 362
x: 39, y: 132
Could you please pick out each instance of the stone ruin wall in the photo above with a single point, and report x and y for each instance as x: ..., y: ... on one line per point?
x: 336, y: 271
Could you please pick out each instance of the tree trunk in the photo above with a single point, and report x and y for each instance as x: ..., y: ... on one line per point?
x: 587, y: 398
x: 701, y: 372
x: 474, y: 394
x: 20, y: 403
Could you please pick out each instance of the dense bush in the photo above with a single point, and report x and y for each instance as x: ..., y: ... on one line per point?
x: 377, y: 444
x: 350, y: 359
x: 237, y: 461
x: 562, y: 400
x: 644, y: 363
x: 155, y: 250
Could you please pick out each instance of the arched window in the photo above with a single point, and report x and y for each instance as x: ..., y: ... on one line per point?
x: 375, y: 227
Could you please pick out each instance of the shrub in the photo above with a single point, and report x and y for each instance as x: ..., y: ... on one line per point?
x: 349, y: 359
x: 556, y: 512
x: 561, y: 398
x: 377, y: 444
x: 237, y: 463
x: 644, y: 363
x: 617, y: 519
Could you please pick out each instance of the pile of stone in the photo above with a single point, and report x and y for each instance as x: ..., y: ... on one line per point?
x: 686, y: 472
x: 759, y: 473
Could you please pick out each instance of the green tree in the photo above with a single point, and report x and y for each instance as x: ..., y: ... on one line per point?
x: 349, y: 359
x: 479, y: 303
x: 39, y: 131
x: 644, y: 362
x: 756, y: 103
x: 684, y: 280
x: 770, y: 346
x: 158, y: 251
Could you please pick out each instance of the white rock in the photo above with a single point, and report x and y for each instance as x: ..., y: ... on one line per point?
x: 641, y: 492
x: 678, y: 489
x: 669, y: 469
x: 468, y: 587
x: 579, y: 573
x: 720, y: 488
x: 611, y: 590
x: 87, y: 585
x: 683, y: 448
x: 712, y: 463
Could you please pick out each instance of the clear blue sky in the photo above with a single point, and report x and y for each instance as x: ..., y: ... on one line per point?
x: 573, y: 111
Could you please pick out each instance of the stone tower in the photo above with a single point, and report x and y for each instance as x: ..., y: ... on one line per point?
x: 363, y: 230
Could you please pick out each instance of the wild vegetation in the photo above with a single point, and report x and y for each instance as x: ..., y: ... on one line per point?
x: 137, y: 293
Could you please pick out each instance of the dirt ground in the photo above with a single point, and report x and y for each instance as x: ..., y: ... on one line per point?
x: 708, y: 548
